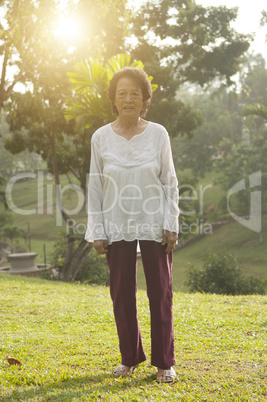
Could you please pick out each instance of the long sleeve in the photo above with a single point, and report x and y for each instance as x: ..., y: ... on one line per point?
x: 95, y: 224
x: 169, y: 183
x: 132, y: 186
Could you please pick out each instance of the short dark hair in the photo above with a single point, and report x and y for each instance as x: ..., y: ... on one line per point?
x: 142, y: 80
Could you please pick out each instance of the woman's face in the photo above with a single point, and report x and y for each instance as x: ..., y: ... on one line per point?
x: 128, y: 98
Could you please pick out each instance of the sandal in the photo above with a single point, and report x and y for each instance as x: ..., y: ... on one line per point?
x: 167, y: 376
x: 123, y: 370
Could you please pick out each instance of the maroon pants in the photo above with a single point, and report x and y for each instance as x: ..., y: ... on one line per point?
x: 122, y: 262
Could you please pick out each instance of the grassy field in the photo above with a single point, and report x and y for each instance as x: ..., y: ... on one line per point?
x: 64, y: 336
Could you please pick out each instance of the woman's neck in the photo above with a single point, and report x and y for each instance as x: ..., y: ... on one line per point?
x: 129, y: 128
x: 128, y: 124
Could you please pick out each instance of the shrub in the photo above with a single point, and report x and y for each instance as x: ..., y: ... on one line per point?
x: 94, y: 269
x: 221, y: 274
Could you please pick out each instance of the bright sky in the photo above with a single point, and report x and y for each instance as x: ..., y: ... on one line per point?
x: 248, y: 20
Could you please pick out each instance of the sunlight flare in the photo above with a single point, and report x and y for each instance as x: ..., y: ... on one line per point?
x: 68, y: 28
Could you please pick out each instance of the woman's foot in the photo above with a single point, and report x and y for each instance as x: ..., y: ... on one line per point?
x: 166, y: 376
x: 124, y: 370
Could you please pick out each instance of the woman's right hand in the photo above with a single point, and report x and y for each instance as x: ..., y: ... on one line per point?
x: 101, y: 246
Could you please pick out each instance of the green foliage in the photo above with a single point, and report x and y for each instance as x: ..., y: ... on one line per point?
x: 93, y: 270
x: 176, y: 116
x: 221, y: 274
x: 90, y: 105
x: 28, y: 42
x: 42, y: 60
x: 264, y: 18
x: 183, y: 42
x: 11, y: 232
x: 207, y: 48
x: 26, y: 36
x: 34, y: 117
x: 6, y: 218
x: 238, y: 162
x: 255, y: 110
x: 254, y: 81
x: 232, y: 141
x: 246, y: 153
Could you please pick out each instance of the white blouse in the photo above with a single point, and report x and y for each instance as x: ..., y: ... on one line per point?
x: 133, y: 189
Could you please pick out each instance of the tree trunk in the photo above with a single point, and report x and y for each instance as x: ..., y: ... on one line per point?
x: 75, y: 260
x: 3, y: 77
x: 56, y: 176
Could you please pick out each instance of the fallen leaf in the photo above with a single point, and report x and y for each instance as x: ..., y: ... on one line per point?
x: 12, y: 361
x: 250, y: 333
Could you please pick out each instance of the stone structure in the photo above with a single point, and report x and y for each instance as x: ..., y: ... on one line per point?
x: 23, y: 264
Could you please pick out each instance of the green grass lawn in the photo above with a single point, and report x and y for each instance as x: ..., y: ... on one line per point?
x: 65, y: 337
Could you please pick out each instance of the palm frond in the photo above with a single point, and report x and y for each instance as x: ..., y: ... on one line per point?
x: 91, y: 79
x: 87, y: 75
x: 120, y: 61
x: 256, y: 109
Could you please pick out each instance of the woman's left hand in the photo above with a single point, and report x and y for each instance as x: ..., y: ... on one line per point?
x: 169, y: 238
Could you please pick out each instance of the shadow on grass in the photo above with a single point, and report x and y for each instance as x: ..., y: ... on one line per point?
x: 90, y: 386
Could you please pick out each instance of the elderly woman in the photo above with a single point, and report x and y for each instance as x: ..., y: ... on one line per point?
x: 133, y: 197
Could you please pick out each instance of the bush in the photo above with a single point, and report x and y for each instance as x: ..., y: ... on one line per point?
x: 221, y: 274
x: 94, y: 269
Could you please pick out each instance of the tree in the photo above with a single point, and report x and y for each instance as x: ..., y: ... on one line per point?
x: 263, y: 18
x: 253, y: 80
x: 255, y: 110
x: 42, y: 62
x: 221, y: 119
x: 248, y: 155
x: 200, y: 43
x: 2, y: 192
x: 12, y: 233
x: 50, y: 134
x: 22, y: 30
x: 36, y: 117
x: 180, y: 42
x: 29, y: 46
